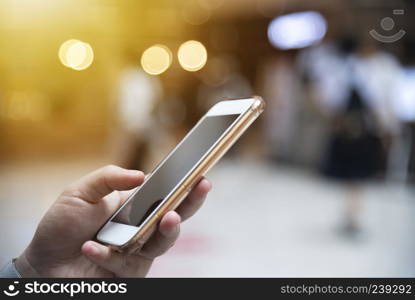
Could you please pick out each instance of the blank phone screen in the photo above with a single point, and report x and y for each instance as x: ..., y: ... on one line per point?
x: 172, y: 171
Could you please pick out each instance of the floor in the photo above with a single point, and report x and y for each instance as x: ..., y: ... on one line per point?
x: 260, y: 220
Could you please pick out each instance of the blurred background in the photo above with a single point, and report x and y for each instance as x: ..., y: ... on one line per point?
x: 321, y: 185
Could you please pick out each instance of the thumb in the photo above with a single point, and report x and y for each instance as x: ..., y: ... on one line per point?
x: 103, y: 181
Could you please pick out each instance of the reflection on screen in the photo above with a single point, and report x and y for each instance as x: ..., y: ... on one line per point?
x: 174, y: 169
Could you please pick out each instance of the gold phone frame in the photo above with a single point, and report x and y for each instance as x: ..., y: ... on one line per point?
x: 174, y: 200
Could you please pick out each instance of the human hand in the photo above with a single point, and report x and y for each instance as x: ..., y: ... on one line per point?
x: 62, y: 245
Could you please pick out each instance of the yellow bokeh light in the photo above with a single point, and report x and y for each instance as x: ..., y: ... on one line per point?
x: 156, y: 59
x: 63, y: 49
x: 192, y: 56
x: 76, y: 54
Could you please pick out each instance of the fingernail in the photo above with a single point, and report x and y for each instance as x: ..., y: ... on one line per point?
x: 208, y: 183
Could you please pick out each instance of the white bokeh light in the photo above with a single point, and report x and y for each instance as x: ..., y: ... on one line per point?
x: 297, y: 30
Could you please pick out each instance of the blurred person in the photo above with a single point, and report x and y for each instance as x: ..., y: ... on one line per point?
x: 63, y: 245
x: 326, y: 76
x: 137, y: 97
x: 354, y: 153
x: 354, y: 85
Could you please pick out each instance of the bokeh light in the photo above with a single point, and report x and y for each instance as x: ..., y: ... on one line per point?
x: 156, y: 59
x: 76, y: 54
x: 297, y: 30
x: 192, y: 56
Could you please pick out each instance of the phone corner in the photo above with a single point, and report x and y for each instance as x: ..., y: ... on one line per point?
x: 259, y: 104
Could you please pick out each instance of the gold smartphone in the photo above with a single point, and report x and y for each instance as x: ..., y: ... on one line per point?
x: 170, y: 182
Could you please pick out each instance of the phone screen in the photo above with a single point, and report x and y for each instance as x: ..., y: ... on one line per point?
x: 173, y: 170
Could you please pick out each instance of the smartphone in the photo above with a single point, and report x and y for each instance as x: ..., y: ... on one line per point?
x: 170, y: 182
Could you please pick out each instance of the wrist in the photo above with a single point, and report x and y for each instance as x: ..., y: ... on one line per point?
x: 24, y: 267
